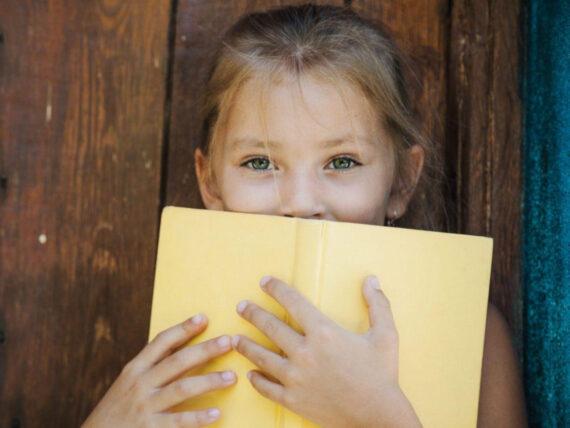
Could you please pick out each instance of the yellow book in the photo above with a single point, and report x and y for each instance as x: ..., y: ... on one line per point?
x: 437, y: 284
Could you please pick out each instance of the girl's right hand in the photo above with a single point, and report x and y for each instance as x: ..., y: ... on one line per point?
x: 148, y: 385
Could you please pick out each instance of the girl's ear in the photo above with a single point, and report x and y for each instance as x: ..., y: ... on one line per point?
x: 208, y: 189
x: 400, y: 197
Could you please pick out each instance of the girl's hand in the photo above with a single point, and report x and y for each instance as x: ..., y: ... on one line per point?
x: 329, y: 375
x: 147, y: 386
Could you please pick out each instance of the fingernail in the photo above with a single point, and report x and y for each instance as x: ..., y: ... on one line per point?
x: 223, y: 341
x: 235, y: 341
x: 241, y: 306
x: 228, y: 376
x: 373, y: 282
x: 263, y: 281
x: 197, y: 319
x: 213, y: 413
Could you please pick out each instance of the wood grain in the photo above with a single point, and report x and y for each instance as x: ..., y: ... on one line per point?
x: 81, y: 111
x: 484, y: 138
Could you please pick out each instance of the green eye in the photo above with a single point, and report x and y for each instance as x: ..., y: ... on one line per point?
x: 257, y: 164
x: 344, y: 162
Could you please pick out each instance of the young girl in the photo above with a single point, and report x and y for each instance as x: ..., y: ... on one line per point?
x: 306, y: 115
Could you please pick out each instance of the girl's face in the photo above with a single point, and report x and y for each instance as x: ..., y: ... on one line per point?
x: 327, y: 159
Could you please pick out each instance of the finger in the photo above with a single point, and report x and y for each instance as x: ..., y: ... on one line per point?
x: 185, y: 359
x: 379, y: 309
x: 187, y: 387
x: 263, y: 358
x: 276, y: 330
x: 302, y: 311
x: 198, y: 418
x: 165, y: 342
x: 267, y: 388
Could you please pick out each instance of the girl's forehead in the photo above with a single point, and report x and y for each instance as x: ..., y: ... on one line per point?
x: 305, y: 89
x: 306, y: 103
x: 297, y: 116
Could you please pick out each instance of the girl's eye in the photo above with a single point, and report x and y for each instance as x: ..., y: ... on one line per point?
x: 258, y: 164
x: 344, y: 162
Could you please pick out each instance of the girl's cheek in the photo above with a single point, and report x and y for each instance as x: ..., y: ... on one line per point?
x: 251, y: 196
x: 357, y: 208
x: 359, y: 201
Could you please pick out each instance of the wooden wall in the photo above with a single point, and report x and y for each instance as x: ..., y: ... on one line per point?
x: 82, y: 87
x: 98, y: 118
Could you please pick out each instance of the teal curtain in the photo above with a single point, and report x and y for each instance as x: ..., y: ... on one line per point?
x: 546, y: 212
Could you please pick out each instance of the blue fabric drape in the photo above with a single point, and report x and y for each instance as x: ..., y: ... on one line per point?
x: 546, y: 212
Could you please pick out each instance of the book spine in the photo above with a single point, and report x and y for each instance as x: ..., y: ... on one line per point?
x: 310, y: 243
x: 307, y: 267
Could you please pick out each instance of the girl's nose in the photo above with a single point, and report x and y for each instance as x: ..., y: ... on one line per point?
x: 301, y: 196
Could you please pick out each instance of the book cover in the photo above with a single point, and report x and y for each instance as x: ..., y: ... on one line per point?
x: 437, y: 284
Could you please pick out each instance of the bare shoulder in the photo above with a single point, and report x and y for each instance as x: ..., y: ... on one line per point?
x: 501, y: 401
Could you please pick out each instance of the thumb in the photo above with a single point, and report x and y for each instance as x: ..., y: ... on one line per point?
x: 379, y: 310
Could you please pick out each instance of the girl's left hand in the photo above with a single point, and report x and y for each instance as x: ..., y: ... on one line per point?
x: 328, y: 375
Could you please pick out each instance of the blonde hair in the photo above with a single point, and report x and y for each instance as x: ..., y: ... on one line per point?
x: 328, y: 41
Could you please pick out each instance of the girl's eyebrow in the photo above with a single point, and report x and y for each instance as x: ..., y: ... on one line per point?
x: 253, y: 142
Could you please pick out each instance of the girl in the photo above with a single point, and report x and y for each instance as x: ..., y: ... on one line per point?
x: 305, y: 114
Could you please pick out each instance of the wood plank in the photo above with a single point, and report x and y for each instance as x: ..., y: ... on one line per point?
x: 484, y: 138
x: 82, y: 89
